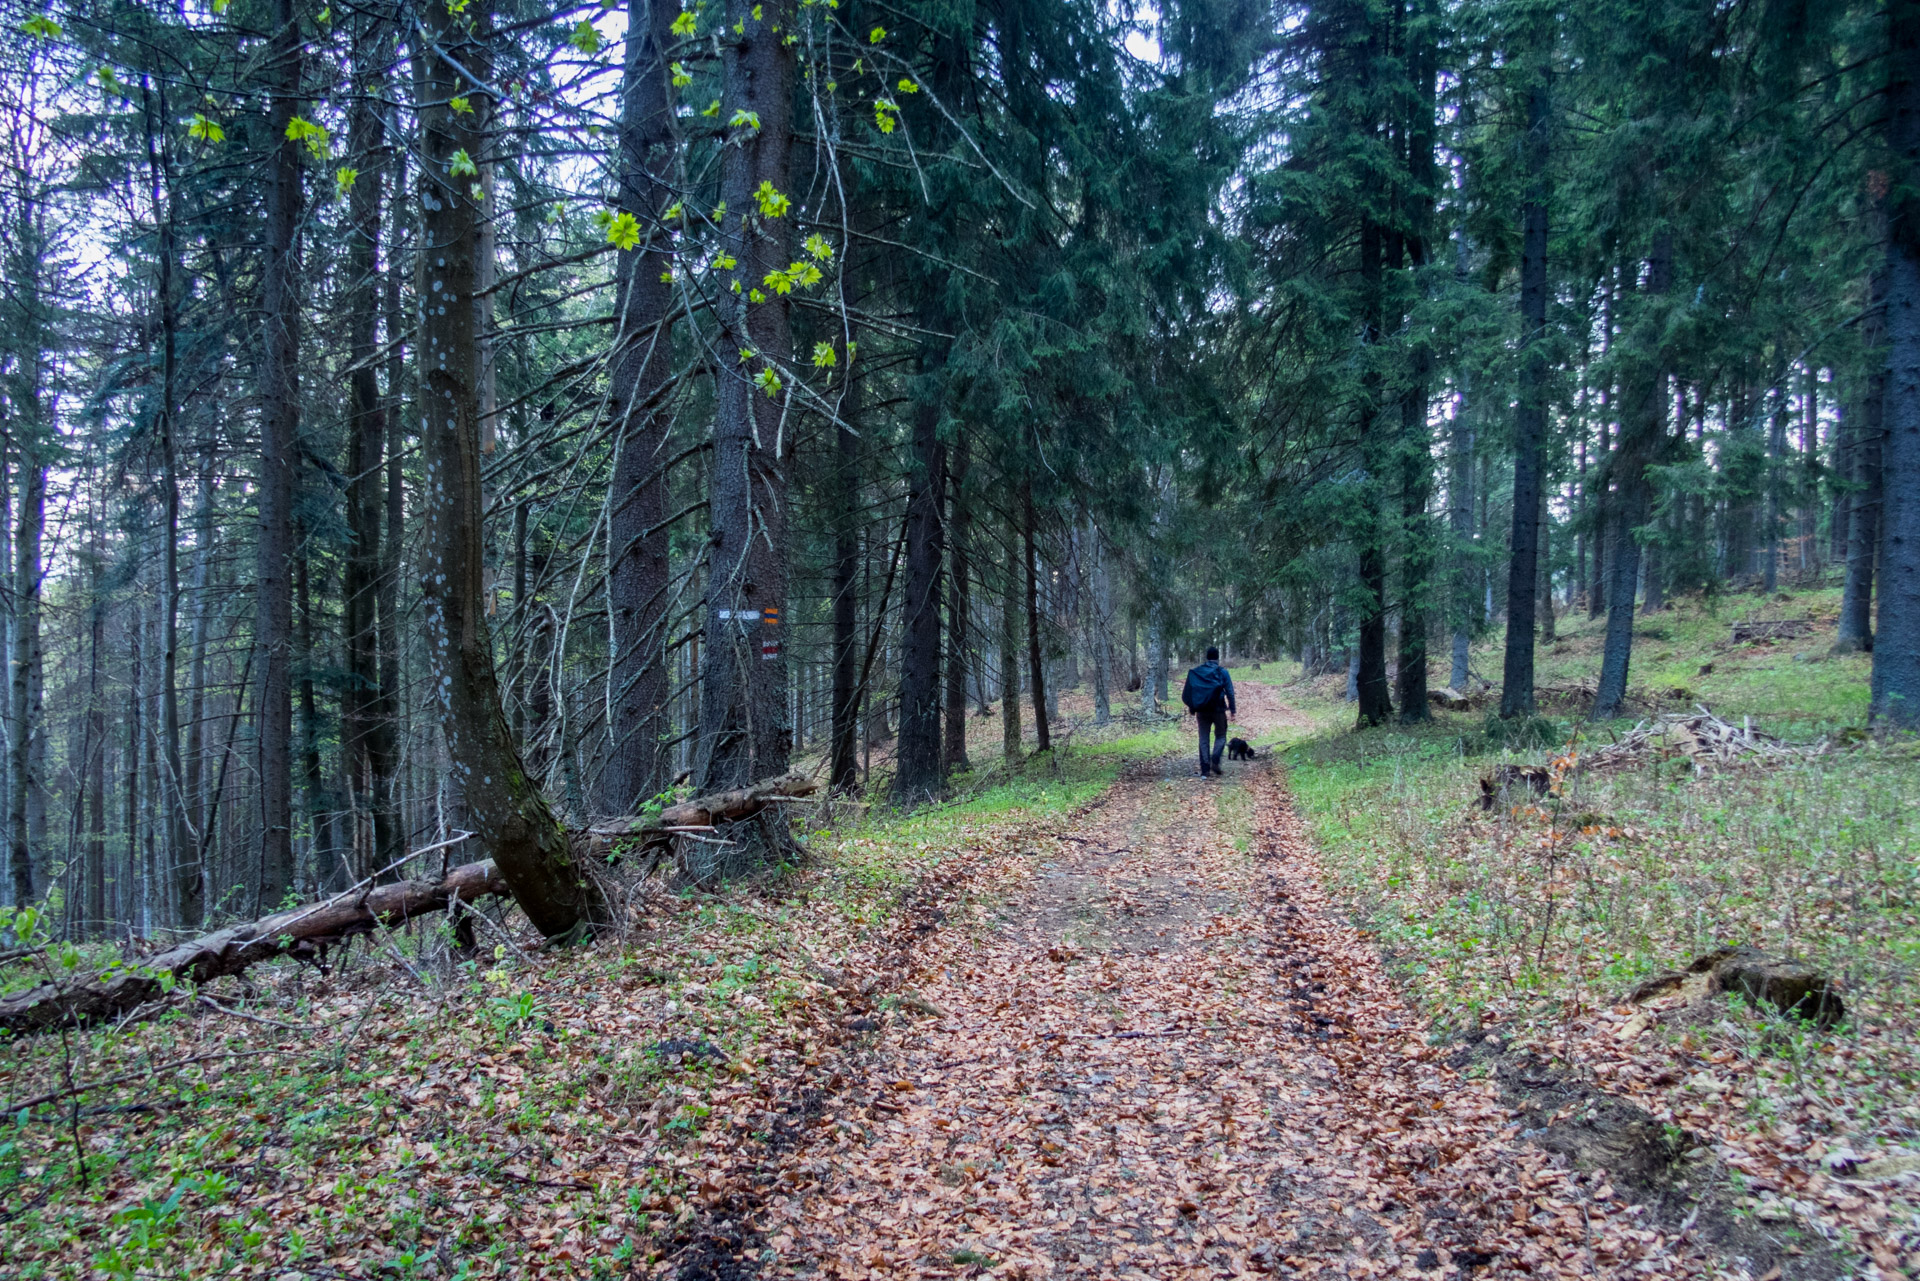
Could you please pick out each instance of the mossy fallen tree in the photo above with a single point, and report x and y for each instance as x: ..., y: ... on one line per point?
x: 307, y: 932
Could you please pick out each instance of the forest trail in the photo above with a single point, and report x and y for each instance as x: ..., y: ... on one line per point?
x: 1172, y: 1056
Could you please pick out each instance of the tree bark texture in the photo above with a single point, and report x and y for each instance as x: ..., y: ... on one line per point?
x: 1868, y: 433
x: 844, y: 765
x: 917, y: 762
x: 959, y: 608
x: 1642, y: 428
x: 360, y: 699
x: 1100, y: 623
x: 639, y: 576
x: 1036, y: 664
x: 188, y: 898
x: 744, y: 731
x: 1530, y: 416
x: 279, y: 459
x: 1896, y: 641
x: 510, y: 816
x: 1416, y: 438
x: 1375, y: 697
x: 25, y: 659
x: 1011, y: 609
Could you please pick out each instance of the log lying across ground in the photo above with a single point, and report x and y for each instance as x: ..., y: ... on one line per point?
x: 308, y: 931
x: 620, y: 836
x: 302, y: 931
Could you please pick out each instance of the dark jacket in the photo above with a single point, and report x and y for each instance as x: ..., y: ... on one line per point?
x: 1207, y: 687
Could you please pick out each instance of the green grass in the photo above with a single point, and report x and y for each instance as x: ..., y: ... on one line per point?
x: 1534, y: 911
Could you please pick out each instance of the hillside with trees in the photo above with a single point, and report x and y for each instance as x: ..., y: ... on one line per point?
x: 535, y: 536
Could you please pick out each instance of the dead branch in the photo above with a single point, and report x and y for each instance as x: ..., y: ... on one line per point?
x: 307, y: 932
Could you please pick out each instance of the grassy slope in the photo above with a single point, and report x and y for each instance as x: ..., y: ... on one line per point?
x: 1537, y: 918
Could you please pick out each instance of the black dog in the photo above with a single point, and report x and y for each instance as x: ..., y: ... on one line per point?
x: 1239, y: 750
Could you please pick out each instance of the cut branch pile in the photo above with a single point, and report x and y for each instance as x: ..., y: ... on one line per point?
x: 1771, y: 629
x: 1699, y: 735
x: 307, y: 932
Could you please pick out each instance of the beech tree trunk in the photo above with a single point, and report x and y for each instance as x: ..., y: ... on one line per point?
x: 744, y: 729
x: 509, y: 815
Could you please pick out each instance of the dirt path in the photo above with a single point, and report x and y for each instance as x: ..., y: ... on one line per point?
x: 1172, y: 1057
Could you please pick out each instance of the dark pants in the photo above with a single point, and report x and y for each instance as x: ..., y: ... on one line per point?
x: 1214, y: 719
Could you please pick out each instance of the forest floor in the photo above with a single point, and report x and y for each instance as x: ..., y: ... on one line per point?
x: 1093, y: 1018
x: 1169, y: 1054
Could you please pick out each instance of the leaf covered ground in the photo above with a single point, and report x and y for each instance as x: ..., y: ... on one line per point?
x: 1116, y: 1022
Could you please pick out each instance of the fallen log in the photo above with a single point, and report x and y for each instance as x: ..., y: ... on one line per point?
x: 307, y: 932
x: 618, y: 836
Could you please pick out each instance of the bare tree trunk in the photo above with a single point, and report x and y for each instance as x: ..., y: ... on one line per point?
x: 183, y: 865
x: 1896, y: 642
x: 1776, y: 449
x: 1543, y: 598
x: 638, y: 573
x: 383, y: 739
x: 1010, y: 610
x: 1642, y: 424
x: 1037, y: 671
x: 26, y: 659
x: 1530, y: 416
x: 1153, y: 690
x: 511, y: 817
x: 195, y: 765
x: 133, y: 886
x: 844, y: 770
x: 1374, y: 697
x: 94, y: 759
x: 1864, y: 502
x: 743, y: 716
x: 324, y: 854
x: 959, y: 607
x: 1100, y: 627
x: 279, y: 459
x: 917, y: 762
x: 366, y: 441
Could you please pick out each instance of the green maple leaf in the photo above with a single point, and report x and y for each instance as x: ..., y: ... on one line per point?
x: 623, y: 231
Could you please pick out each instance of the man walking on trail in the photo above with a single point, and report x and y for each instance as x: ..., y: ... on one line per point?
x: 1208, y: 694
